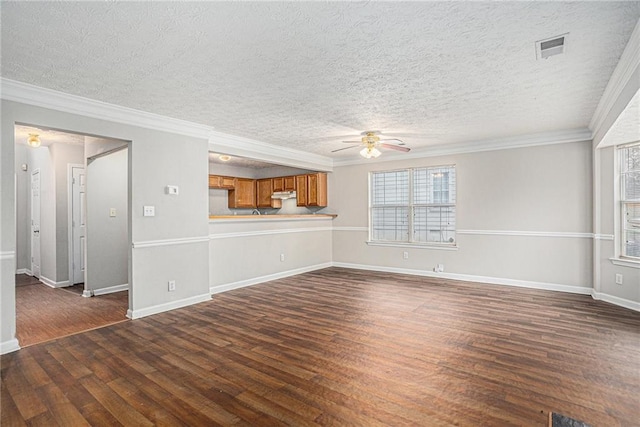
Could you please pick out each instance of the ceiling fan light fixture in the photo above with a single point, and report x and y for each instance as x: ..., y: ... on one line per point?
x: 370, y: 152
x: 33, y: 140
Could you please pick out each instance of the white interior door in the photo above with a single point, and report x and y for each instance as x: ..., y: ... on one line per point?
x: 35, y: 223
x: 79, y: 212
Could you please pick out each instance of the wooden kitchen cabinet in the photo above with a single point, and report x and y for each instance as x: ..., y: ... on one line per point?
x: 218, y: 181
x: 264, y: 190
x: 317, y: 189
x: 278, y: 184
x: 311, y: 189
x: 289, y: 183
x: 243, y: 194
x: 284, y: 183
x: 301, y: 190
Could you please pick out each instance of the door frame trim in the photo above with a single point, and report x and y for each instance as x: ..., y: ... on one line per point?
x: 33, y: 172
x: 70, y: 167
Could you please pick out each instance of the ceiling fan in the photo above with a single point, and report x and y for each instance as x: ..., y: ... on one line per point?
x: 370, y: 142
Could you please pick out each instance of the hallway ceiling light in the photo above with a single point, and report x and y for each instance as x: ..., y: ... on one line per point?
x: 33, y: 140
x: 224, y: 158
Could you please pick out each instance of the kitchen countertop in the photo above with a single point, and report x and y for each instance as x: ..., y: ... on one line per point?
x: 274, y: 217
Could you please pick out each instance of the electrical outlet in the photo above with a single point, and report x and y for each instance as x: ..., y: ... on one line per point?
x: 281, y: 257
x: 405, y: 255
x: 149, y: 211
x: 439, y: 268
x: 172, y: 285
x: 619, y: 279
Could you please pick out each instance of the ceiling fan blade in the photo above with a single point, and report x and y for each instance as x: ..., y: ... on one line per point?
x: 396, y: 147
x: 399, y: 141
x: 353, y: 142
x: 345, y: 148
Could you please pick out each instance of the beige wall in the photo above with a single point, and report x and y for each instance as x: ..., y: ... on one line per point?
x: 544, y: 189
x: 248, y: 252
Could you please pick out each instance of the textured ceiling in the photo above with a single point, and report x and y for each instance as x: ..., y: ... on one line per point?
x: 47, y: 136
x: 308, y: 74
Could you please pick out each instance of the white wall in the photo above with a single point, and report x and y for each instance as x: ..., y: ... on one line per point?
x: 107, y: 236
x: 502, y: 195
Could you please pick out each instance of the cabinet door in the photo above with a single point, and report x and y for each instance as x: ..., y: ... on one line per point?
x: 243, y: 194
x: 289, y: 183
x: 278, y: 184
x: 264, y: 190
x: 301, y: 190
x: 317, y: 189
x: 227, y: 182
x: 215, y: 181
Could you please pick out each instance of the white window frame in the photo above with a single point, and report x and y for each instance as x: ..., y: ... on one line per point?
x: 410, y: 206
x: 621, y: 258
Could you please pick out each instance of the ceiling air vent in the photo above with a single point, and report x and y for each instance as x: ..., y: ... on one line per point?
x: 551, y: 47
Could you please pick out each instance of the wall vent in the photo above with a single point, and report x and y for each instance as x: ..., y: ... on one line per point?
x: 550, y: 47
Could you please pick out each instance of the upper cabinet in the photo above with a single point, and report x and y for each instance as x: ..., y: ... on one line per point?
x: 311, y: 189
x: 217, y: 181
x: 246, y: 193
x: 243, y: 194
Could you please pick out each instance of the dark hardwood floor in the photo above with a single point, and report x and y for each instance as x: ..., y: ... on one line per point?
x: 341, y: 347
x: 44, y: 313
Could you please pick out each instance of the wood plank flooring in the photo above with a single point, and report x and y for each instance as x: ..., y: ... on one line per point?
x: 341, y: 347
x: 44, y: 313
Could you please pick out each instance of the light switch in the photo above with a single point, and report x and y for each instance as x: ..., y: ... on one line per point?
x: 172, y: 189
x: 112, y: 212
x: 149, y: 211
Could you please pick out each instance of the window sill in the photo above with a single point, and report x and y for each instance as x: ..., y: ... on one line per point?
x: 413, y: 245
x: 625, y: 262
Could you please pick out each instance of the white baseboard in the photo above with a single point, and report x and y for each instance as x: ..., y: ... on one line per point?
x: 110, y: 290
x: 472, y: 278
x: 160, y: 308
x: 261, y: 279
x: 24, y: 271
x: 9, y: 346
x: 631, y: 305
x: 53, y: 284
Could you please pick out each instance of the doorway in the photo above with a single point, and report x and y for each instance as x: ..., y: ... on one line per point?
x: 53, y: 229
x: 77, y: 224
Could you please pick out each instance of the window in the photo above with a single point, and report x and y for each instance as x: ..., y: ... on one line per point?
x: 413, y: 206
x: 630, y: 200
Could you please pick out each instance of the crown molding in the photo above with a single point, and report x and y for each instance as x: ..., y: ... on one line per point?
x: 12, y: 90
x: 25, y: 93
x: 239, y: 146
x: 522, y: 141
x: 628, y: 65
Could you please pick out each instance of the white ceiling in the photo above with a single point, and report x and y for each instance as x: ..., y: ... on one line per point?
x: 306, y: 75
x: 47, y: 136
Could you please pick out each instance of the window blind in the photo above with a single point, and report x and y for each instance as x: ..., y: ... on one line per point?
x: 630, y: 200
x: 414, y: 205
